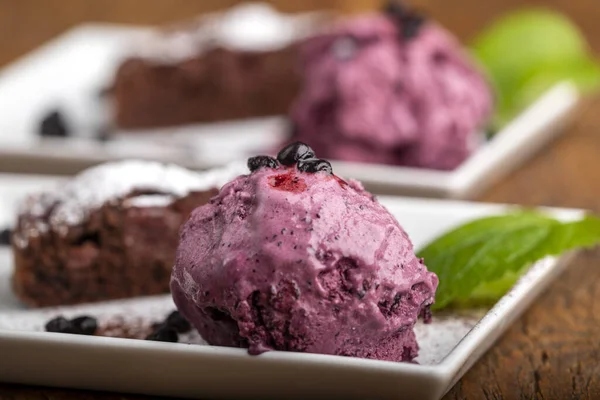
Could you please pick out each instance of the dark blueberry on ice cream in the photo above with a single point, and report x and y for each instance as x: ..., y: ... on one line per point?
x: 315, y: 165
x: 295, y: 152
x: 257, y: 162
x: 54, y: 125
x: 408, y: 21
x: 411, y: 25
x: 395, y: 9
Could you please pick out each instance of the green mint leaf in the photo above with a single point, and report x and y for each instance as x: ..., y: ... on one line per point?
x: 529, y: 50
x: 526, y: 39
x: 487, y: 293
x: 479, y: 262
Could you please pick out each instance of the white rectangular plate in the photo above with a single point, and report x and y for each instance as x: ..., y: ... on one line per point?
x: 69, y: 71
x: 449, y: 345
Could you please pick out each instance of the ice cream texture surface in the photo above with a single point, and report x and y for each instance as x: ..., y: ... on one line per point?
x: 283, y: 259
x: 391, y: 88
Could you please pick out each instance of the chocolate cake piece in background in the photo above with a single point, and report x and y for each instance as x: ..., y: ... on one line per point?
x: 111, y: 232
x: 231, y: 65
x: 219, y: 85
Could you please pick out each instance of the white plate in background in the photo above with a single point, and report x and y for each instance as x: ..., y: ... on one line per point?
x: 70, y: 71
x: 450, y: 345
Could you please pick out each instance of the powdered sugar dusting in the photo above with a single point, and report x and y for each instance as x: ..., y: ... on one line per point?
x: 107, y: 182
x: 253, y: 26
x: 70, y: 204
x: 149, y: 200
x: 437, y: 339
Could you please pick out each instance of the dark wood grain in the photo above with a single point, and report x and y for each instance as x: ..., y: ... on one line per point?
x: 553, y: 351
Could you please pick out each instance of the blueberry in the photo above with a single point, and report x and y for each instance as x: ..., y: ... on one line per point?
x: 411, y: 25
x: 53, y: 124
x: 295, y: 152
x: 258, y: 162
x: 157, y: 325
x: 84, y: 325
x: 60, y: 324
x: 395, y: 9
x: 5, y: 236
x: 315, y: 165
x: 177, y: 322
x: 408, y: 20
x: 163, y: 334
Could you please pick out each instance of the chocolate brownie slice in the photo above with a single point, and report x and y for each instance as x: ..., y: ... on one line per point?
x: 219, y: 85
x: 212, y: 68
x: 111, y: 232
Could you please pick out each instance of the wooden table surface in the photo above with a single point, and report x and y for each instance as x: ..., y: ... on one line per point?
x: 553, y: 351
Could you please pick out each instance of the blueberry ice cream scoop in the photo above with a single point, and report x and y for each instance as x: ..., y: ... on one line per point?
x: 390, y: 88
x: 291, y: 257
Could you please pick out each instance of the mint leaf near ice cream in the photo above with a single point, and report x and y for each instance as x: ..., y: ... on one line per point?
x: 479, y: 262
x: 527, y: 51
x: 525, y: 39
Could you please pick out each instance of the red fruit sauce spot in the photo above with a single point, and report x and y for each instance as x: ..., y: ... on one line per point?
x: 288, y: 182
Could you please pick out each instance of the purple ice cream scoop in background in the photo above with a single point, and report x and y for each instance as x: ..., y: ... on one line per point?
x: 390, y: 88
x: 291, y: 257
